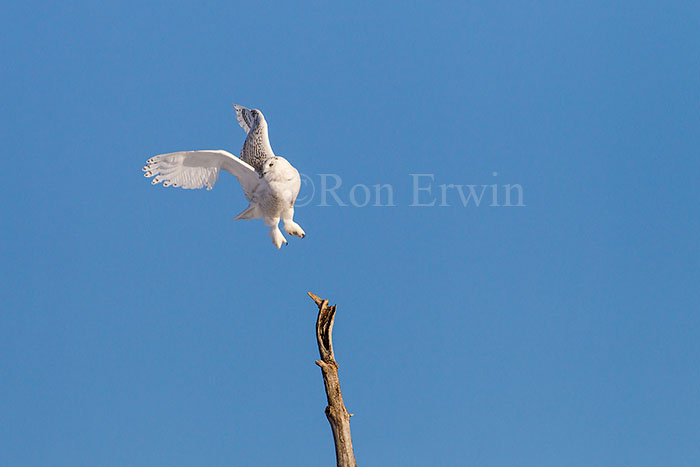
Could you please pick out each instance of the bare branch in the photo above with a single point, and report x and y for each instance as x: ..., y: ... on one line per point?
x: 337, y: 414
x: 315, y: 298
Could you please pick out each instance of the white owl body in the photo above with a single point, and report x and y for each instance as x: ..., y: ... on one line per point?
x: 269, y: 182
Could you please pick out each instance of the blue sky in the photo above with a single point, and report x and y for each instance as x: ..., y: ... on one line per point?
x: 143, y: 326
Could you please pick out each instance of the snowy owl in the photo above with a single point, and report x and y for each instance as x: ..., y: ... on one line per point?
x: 269, y: 182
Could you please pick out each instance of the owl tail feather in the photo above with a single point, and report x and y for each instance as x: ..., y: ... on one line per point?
x: 251, y: 212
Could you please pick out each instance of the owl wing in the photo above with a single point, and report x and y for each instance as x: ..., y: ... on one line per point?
x: 198, y: 169
x: 246, y: 118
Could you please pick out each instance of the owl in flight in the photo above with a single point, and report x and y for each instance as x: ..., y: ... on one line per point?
x: 270, y: 183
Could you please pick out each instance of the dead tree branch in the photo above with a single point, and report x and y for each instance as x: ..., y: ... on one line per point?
x: 337, y: 414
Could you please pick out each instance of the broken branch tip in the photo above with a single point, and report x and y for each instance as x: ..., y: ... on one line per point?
x: 315, y: 298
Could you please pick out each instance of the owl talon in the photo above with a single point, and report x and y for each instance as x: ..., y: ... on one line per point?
x: 277, y: 238
x: 292, y: 228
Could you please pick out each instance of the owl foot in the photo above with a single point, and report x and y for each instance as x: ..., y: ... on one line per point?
x: 292, y: 228
x: 277, y: 238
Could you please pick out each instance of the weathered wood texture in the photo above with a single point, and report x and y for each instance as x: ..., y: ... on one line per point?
x: 337, y: 414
